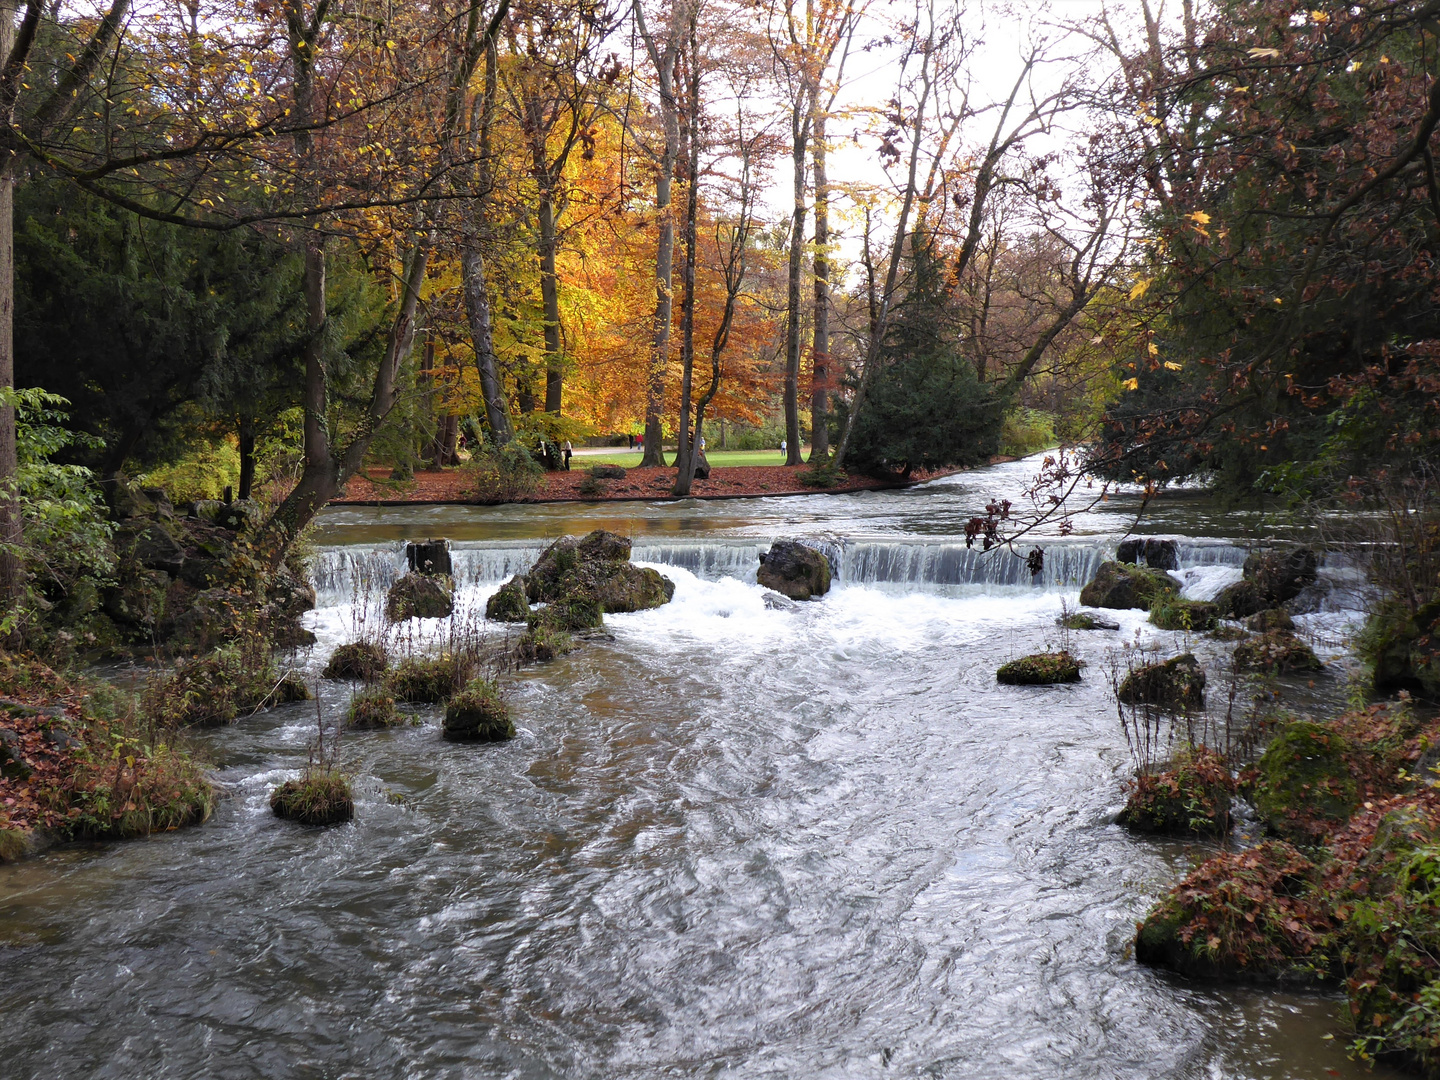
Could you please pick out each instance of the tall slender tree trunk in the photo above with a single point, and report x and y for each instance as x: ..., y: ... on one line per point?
x: 798, y: 133
x: 820, y: 347
x: 477, y: 311
x: 549, y: 283
x: 11, y: 583
x: 246, y: 439
x: 685, y: 450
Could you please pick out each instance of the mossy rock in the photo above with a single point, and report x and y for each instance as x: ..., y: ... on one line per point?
x: 1304, y: 785
x: 509, y: 604
x: 1172, y: 613
x: 478, y: 714
x: 1278, y: 652
x: 372, y: 709
x: 1177, y: 683
x: 1191, y: 798
x: 1228, y: 631
x: 1239, y: 600
x: 1270, y: 619
x: 571, y: 613
x: 1241, y: 917
x: 425, y: 680
x: 595, y: 567
x: 1122, y: 585
x: 796, y: 570
x: 1039, y: 670
x: 1282, y: 573
x: 292, y: 687
x: 1086, y: 620
x: 1403, y: 649
x: 420, y: 596
x: 363, y: 660
x: 15, y: 843
x: 319, y: 797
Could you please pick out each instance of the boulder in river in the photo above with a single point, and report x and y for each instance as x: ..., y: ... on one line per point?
x: 1190, y: 798
x: 1278, y: 652
x: 795, y: 570
x: 1041, y: 669
x: 420, y: 596
x: 1122, y: 585
x: 320, y: 797
x: 373, y: 708
x: 1154, y: 553
x: 1273, y: 619
x: 1086, y: 620
x: 595, y: 568
x: 1239, y: 600
x: 1172, y: 613
x: 363, y: 660
x: 478, y: 714
x: 1281, y: 573
x: 1177, y: 683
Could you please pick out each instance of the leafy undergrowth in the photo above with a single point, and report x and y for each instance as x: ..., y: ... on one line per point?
x: 1352, y: 898
x: 80, y: 763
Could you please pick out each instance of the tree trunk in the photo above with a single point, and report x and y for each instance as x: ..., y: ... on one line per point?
x: 550, y: 296
x: 477, y: 310
x: 792, y: 306
x: 11, y: 525
x: 820, y: 349
x: 247, y: 456
x: 685, y: 449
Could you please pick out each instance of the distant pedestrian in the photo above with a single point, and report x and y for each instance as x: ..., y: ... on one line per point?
x: 783, y: 448
x: 568, y: 450
x: 702, y: 444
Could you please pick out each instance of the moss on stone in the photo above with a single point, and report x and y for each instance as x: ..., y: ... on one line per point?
x: 1086, y: 620
x: 1040, y: 669
x: 1122, y: 585
x: 478, y: 714
x: 426, y: 680
x: 509, y: 604
x: 1303, y: 785
x: 420, y: 596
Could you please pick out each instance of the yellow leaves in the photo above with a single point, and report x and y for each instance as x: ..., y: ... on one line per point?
x: 1171, y: 365
x: 1140, y: 288
x: 1152, y: 349
x: 1199, y: 217
x: 1278, y: 300
x: 1131, y: 384
x: 1355, y: 65
x: 1263, y: 54
x: 1320, y: 16
x: 390, y: 45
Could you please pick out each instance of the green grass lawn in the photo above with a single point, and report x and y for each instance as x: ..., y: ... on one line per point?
x: 717, y: 458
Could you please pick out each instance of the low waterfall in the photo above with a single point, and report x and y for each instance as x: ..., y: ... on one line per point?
x: 916, y: 564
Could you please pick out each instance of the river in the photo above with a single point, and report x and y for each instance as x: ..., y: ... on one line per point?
x: 731, y: 841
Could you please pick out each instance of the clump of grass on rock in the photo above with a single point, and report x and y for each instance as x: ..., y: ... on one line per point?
x: 1169, y: 612
x: 373, y: 708
x: 1278, y: 652
x: 1040, y: 669
x: 1190, y: 798
x: 429, y: 680
x: 478, y: 714
x: 319, y: 796
x: 363, y: 660
x: 1177, y: 683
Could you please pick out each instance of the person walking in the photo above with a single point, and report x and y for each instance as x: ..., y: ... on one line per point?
x: 783, y: 448
x: 568, y: 451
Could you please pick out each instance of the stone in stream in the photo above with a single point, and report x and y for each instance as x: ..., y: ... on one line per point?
x: 478, y: 714
x: 1156, y: 554
x: 420, y: 596
x: 508, y: 604
x: 429, y: 557
x: 1040, y: 669
x: 1177, y: 683
x: 595, y: 569
x: 1121, y: 585
x: 1278, y: 652
x: 1086, y: 620
x: 795, y: 570
x: 1281, y: 574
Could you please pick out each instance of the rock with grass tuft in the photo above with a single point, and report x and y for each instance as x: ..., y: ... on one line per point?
x: 371, y: 709
x: 1041, y: 669
x: 478, y: 714
x: 320, y: 796
x: 363, y: 660
x: 1177, y: 683
x: 1121, y: 585
x: 1170, y: 612
x: 1086, y: 620
x: 509, y: 604
x: 1277, y: 652
x: 427, y: 680
x: 1190, y: 798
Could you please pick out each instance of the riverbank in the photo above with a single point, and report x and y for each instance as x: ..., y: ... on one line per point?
x: 374, y: 488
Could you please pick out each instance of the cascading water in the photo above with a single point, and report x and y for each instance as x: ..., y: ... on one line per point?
x: 731, y: 840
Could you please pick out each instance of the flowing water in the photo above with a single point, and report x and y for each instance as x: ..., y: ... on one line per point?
x: 730, y: 840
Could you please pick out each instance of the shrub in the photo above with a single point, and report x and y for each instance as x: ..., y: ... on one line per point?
x: 504, y: 475
x: 217, y: 687
x: 1026, y: 431
x: 1277, y: 652
x: 320, y: 796
x: 591, y: 487
x: 478, y: 714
